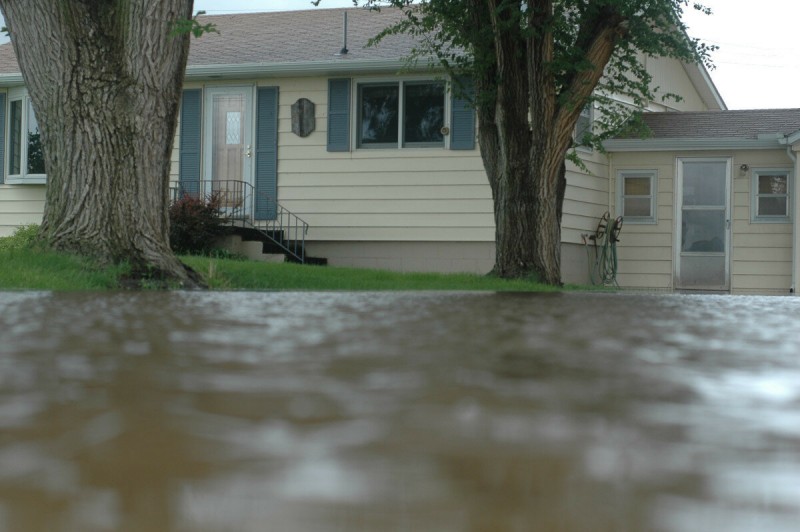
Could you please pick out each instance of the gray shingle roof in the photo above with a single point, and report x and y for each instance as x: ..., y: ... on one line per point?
x: 743, y: 124
x: 8, y: 61
x: 284, y: 37
x: 297, y: 36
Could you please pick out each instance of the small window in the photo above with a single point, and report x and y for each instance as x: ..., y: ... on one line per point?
x: 637, y: 195
x: 771, y: 196
x: 25, y: 149
x: 584, y: 128
x: 401, y: 114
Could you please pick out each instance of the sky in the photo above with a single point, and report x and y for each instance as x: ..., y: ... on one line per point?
x: 757, y: 64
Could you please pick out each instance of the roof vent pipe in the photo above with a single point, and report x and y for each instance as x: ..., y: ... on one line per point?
x: 343, y: 51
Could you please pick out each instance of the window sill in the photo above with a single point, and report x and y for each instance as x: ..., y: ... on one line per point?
x: 404, y: 148
x: 26, y: 180
x: 638, y: 221
x: 776, y: 220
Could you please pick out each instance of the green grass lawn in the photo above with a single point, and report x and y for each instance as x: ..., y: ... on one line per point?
x: 38, y: 270
x: 24, y: 267
x: 225, y: 274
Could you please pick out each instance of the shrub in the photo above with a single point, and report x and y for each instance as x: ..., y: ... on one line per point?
x: 24, y: 237
x: 195, y: 223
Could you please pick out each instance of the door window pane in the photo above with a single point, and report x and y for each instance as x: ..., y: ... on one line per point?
x: 378, y: 114
x: 227, y: 132
x: 424, y: 113
x: 703, y: 231
x: 233, y: 127
x: 704, y: 183
x: 703, y: 271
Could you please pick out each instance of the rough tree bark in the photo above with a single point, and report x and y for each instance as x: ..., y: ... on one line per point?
x: 104, y: 78
x: 524, y: 153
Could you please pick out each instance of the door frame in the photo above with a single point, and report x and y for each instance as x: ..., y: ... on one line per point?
x: 248, y: 166
x: 678, y: 215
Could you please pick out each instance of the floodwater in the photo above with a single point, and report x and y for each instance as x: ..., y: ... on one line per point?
x: 398, y: 412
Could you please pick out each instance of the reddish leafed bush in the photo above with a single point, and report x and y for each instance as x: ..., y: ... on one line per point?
x: 195, y: 223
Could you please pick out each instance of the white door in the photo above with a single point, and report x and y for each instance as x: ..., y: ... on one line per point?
x: 228, y: 160
x: 703, y: 224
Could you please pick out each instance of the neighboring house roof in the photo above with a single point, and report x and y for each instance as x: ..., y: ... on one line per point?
x: 753, y: 128
x: 8, y: 61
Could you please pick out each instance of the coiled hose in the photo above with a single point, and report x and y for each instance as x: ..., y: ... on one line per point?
x: 603, y: 267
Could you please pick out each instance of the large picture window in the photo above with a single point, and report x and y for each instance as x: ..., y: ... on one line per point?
x: 637, y: 195
x: 25, y: 150
x: 400, y: 114
x: 771, y: 195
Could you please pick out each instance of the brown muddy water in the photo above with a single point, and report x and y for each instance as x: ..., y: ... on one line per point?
x: 398, y: 412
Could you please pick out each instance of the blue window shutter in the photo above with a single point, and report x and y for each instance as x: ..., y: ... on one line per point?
x: 462, y: 120
x: 338, y: 115
x: 191, y: 127
x: 2, y: 138
x: 266, y: 179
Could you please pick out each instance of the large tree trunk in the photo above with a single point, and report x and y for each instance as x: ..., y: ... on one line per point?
x: 527, y: 208
x: 104, y: 77
x: 523, y: 152
x: 518, y: 153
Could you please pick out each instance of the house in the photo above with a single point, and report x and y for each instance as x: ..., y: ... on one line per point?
x: 381, y: 161
x: 708, y: 201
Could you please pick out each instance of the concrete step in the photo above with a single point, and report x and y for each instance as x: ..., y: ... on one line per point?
x: 248, y: 248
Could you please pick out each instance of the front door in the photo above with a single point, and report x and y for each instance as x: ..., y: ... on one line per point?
x: 703, y: 224
x: 228, y: 146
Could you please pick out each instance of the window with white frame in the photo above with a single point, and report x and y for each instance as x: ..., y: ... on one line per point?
x: 25, y: 150
x: 771, y: 197
x: 404, y: 114
x: 637, y: 195
x: 584, y: 127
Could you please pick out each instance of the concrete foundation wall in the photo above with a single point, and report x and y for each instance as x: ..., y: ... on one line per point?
x: 444, y: 257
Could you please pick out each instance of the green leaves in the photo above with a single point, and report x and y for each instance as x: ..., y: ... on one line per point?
x: 182, y: 27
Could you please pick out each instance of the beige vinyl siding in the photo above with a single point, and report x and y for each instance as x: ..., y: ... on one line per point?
x: 670, y: 76
x: 400, y: 194
x: 20, y: 205
x: 761, y: 259
x: 586, y: 197
x: 424, y: 195
x: 645, y: 250
x: 376, y: 194
x: 760, y: 254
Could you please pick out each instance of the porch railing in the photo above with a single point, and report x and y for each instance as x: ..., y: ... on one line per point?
x: 242, y: 206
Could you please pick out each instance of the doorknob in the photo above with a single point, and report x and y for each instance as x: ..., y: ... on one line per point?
x: 248, y: 152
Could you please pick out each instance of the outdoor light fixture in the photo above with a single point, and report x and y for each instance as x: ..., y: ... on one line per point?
x: 744, y: 168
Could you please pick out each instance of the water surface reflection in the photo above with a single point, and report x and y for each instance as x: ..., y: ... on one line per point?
x: 423, y: 411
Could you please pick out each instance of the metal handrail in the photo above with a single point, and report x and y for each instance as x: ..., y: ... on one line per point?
x: 238, y: 202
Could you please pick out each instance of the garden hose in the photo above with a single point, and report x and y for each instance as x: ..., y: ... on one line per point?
x: 603, y: 269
